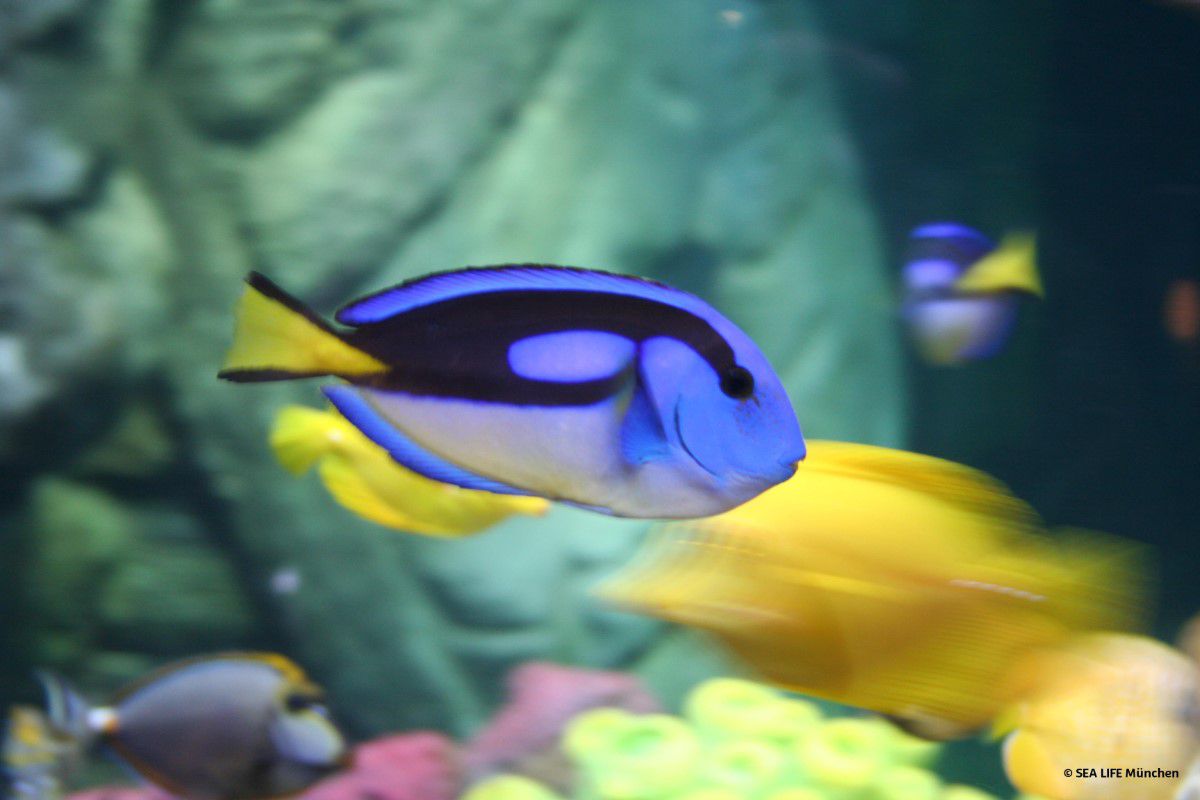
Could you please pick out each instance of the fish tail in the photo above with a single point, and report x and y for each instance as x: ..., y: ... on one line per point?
x: 1010, y: 267
x: 278, y: 338
x: 1021, y: 247
x: 68, y: 711
x: 1106, y: 580
x: 300, y: 436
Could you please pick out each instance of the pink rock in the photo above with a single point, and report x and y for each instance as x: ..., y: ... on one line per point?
x: 543, y: 697
x: 411, y: 766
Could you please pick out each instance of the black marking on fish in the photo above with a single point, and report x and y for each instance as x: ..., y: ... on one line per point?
x: 458, y: 347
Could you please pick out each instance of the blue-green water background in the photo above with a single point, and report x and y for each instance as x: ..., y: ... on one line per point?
x: 770, y: 156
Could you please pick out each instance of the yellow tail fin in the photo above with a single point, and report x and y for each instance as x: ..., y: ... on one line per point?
x: 1010, y: 267
x: 277, y: 338
x: 1107, y: 580
x: 301, y: 435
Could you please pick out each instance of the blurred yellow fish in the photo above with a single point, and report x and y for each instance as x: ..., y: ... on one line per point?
x: 363, y: 477
x: 887, y: 580
x: 1106, y: 702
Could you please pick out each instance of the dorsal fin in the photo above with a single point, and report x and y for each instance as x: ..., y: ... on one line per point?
x: 511, y: 277
x: 289, y: 671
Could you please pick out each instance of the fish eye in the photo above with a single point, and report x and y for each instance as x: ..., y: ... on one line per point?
x: 296, y: 702
x: 737, y: 382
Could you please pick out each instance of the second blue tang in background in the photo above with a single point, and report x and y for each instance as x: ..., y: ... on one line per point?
x: 609, y: 392
x: 962, y: 292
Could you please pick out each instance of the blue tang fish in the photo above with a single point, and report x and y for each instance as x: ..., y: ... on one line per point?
x: 610, y: 392
x: 962, y: 292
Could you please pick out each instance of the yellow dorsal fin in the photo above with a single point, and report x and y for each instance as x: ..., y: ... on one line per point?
x: 946, y: 480
x: 1010, y: 267
x: 301, y: 435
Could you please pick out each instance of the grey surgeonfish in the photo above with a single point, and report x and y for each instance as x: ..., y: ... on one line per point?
x: 234, y: 726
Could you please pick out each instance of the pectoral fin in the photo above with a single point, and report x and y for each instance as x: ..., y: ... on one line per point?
x: 643, y: 437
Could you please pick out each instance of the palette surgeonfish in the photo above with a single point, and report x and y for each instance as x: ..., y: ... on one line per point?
x: 235, y: 726
x: 892, y: 581
x: 362, y: 477
x: 614, y: 393
x: 962, y: 292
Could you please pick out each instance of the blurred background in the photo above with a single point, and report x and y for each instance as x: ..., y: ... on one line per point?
x: 769, y: 155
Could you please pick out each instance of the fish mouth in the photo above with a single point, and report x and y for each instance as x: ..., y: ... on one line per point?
x: 794, y: 463
x: 683, y: 443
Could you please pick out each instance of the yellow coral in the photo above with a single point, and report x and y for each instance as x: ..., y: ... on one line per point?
x: 746, y: 741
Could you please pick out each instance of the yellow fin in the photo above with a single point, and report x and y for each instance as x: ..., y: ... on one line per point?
x: 301, y: 435
x: 1010, y: 267
x: 947, y: 481
x: 277, y: 338
x: 352, y: 491
x: 1033, y: 771
x: 1004, y: 723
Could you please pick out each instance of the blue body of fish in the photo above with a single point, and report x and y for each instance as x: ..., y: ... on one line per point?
x: 950, y: 327
x: 606, y: 391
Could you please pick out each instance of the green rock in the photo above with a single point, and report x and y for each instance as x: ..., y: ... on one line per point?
x: 179, y: 596
x: 79, y: 535
x: 109, y: 670
x: 112, y: 590
x: 341, y: 147
x: 244, y: 66
x: 76, y: 537
x: 333, y: 195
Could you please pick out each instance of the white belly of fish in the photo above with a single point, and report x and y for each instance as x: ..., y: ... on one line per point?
x: 568, y: 453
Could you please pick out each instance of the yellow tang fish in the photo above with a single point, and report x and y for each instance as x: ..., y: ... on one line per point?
x: 1114, y: 717
x: 234, y: 726
x: 363, y: 477
x: 886, y: 580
